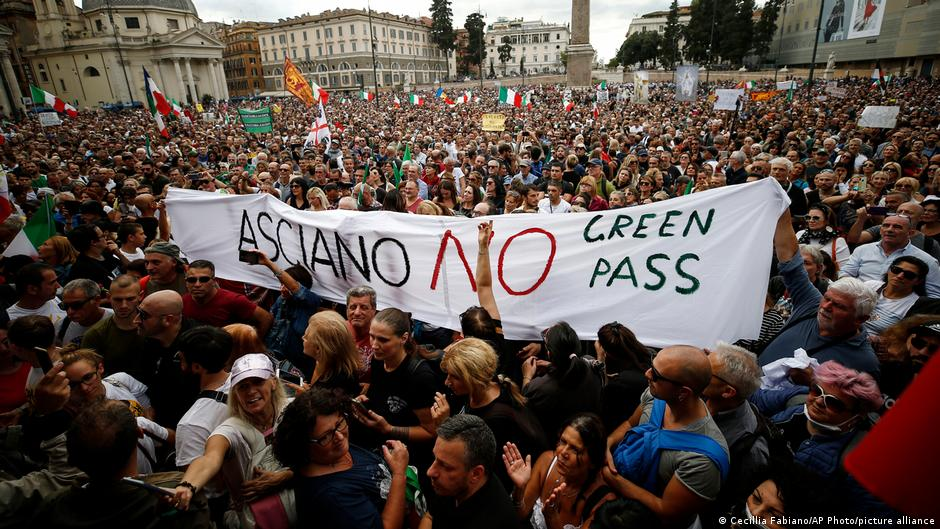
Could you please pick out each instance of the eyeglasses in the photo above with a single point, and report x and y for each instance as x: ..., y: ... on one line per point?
x: 814, y: 218
x: 202, y: 279
x: 657, y: 376
x: 829, y: 402
x: 74, y: 305
x: 920, y: 343
x: 328, y: 437
x: 295, y: 185
x: 897, y: 270
x: 86, y: 379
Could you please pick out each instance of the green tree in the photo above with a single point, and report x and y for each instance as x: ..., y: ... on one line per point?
x: 669, y: 49
x: 698, y: 33
x: 476, y: 50
x: 765, y: 27
x: 640, y: 48
x: 505, y: 53
x: 442, y: 26
x: 736, y: 32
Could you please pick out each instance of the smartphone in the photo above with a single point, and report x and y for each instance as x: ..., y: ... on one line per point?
x: 359, y: 406
x: 878, y: 211
x: 42, y: 358
x: 148, y: 487
x: 251, y: 258
x: 862, y: 184
x: 291, y: 377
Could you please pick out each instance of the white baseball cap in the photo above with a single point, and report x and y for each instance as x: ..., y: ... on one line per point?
x: 252, y: 366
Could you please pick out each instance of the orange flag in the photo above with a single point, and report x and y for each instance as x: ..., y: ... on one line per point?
x: 296, y: 83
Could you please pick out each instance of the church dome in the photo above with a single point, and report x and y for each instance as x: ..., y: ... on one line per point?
x: 179, y: 5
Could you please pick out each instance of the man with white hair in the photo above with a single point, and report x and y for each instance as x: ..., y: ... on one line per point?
x: 827, y: 327
x: 735, y: 172
x: 870, y: 261
x: 780, y: 169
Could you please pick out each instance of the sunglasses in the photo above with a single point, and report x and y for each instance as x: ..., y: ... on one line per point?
x: 829, y: 402
x: 920, y: 343
x: 814, y: 218
x: 74, y: 305
x: 657, y: 376
x: 144, y: 315
x: 897, y: 270
x: 202, y: 279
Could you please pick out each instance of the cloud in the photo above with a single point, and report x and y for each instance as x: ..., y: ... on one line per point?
x: 609, y: 20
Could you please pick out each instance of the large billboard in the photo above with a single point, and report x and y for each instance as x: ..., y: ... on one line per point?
x: 866, y: 18
x: 851, y: 19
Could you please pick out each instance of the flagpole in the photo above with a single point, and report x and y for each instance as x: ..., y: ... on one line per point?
x: 375, y: 75
x: 812, y: 66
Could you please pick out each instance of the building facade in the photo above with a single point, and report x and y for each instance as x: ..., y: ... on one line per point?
x: 902, y: 35
x: 542, y: 44
x: 333, y: 49
x: 241, y: 59
x: 20, y: 18
x: 656, y: 21
x: 97, y: 54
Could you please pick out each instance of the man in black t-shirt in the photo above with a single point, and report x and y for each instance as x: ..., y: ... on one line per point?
x: 466, y: 493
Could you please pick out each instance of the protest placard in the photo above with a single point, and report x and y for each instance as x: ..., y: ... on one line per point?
x: 879, y: 117
x: 659, y: 267
x: 257, y: 121
x: 48, y: 119
x: 727, y: 99
x: 494, y: 122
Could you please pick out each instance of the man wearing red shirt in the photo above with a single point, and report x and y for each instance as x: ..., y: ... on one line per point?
x: 205, y: 302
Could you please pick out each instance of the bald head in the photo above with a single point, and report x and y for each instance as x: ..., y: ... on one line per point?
x: 163, y: 302
x: 686, y: 364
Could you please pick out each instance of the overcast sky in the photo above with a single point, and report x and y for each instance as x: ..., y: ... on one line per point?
x: 609, y: 20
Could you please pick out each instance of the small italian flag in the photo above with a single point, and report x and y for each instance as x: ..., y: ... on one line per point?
x: 366, y: 95
x: 397, y: 102
x: 159, y: 106
x: 569, y: 105
x: 510, y: 97
x: 602, y: 85
x: 595, y: 111
x: 38, y: 229
x: 415, y: 99
x: 176, y: 109
x: 41, y: 97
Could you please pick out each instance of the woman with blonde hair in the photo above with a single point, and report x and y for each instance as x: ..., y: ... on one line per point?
x: 330, y: 343
x: 58, y: 252
x: 588, y: 185
x: 470, y: 365
x: 245, y: 340
x: 910, y: 186
x: 631, y: 166
x: 317, y: 199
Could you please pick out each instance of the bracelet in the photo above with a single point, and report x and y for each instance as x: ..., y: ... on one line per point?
x: 278, y: 273
x: 188, y: 485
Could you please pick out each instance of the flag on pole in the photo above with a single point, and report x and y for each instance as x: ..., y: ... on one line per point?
x: 439, y: 92
x: 747, y: 85
x: 41, y: 97
x: 38, y: 229
x: 319, y: 131
x: 320, y: 95
x: 877, y: 76
x: 296, y: 83
x: 601, y: 86
x: 569, y: 105
x: 510, y: 97
x: 396, y: 102
x: 406, y: 158
x: 594, y: 111
x: 415, y: 99
x: 175, y: 108
x: 159, y: 106
x: 366, y: 95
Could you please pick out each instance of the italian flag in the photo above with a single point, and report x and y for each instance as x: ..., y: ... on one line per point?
x: 595, y: 112
x: 176, y: 109
x: 747, y: 85
x: 365, y: 95
x: 36, y: 231
x: 602, y: 85
x: 397, y: 102
x: 415, y: 99
x: 319, y: 94
x: 510, y: 97
x: 569, y: 105
x: 41, y: 97
x: 159, y: 106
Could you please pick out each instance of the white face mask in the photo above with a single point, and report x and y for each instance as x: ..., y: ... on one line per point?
x: 753, y: 519
x: 829, y: 428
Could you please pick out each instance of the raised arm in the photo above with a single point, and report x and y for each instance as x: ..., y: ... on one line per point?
x: 785, y: 242
x: 202, y: 470
x: 484, y: 276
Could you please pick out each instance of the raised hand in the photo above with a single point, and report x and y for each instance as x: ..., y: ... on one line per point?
x: 518, y: 468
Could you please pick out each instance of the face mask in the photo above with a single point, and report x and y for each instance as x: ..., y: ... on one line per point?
x: 830, y: 428
x: 753, y: 519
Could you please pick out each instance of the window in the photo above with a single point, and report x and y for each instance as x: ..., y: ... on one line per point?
x: 318, y: 34
x: 557, y: 36
x: 274, y: 52
x: 340, y: 30
x: 132, y: 22
x: 99, y: 25
x: 342, y: 48
x: 265, y: 56
x: 281, y: 39
x: 329, y: 33
x: 352, y: 29
x: 383, y: 32
x: 172, y: 24
x: 546, y: 57
x: 254, y: 72
x: 353, y: 46
x: 62, y: 82
x: 305, y: 36
x: 320, y: 50
x: 408, y: 35
x: 91, y: 71
x: 307, y: 53
x: 251, y: 60
x: 294, y: 52
x: 291, y: 38
x: 330, y: 47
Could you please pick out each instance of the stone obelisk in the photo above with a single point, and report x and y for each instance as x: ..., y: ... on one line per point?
x: 580, y: 52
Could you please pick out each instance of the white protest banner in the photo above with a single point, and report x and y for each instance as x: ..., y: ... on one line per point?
x: 786, y: 85
x: 641, y: 87
x: 727, y: 99
x: 48, y: 119
x: 879, y: 117
x: 835, y: 91
x: 688, y: 270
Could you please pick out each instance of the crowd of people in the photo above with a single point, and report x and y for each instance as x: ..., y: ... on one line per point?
x: 138, y: 388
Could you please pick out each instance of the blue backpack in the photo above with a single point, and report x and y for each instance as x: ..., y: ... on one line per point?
x: 637, y: 456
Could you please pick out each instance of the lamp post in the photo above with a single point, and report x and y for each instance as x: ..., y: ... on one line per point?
x: 117, y: 42
x: 711, y: 42
x: 812, y: 66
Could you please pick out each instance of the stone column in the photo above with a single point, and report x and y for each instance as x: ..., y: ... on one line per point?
x: 192, y: 82
x: 210, y: 65
x: 580, y: 52
x: 222, y: 81
x: 10, y: 76
x: 179, y: 79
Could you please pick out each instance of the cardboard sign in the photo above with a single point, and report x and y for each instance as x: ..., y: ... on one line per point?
x: 494, y: 122
x: 48, y: 119
x: 879, y: 117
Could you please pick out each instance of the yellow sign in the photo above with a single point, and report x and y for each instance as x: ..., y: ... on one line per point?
x: 494, y: 122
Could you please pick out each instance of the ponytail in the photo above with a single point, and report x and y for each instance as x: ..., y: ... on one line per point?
x: 507, y: 384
